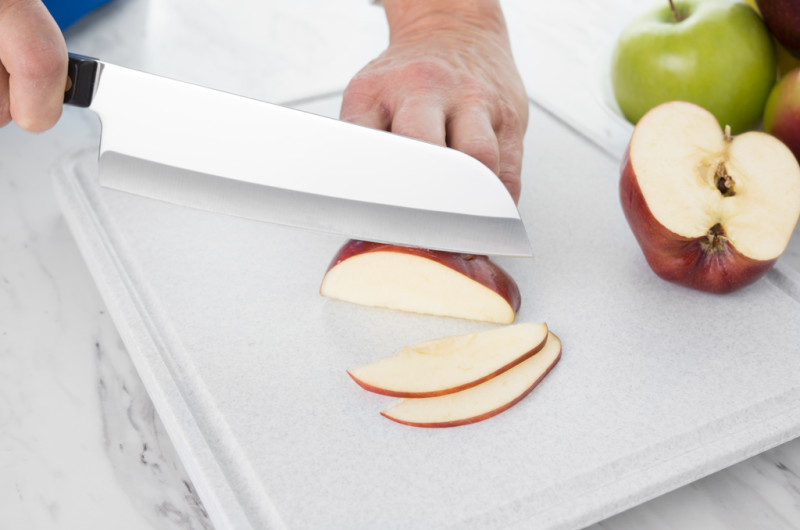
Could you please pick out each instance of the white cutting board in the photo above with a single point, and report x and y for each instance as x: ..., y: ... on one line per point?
x: 658, y: 385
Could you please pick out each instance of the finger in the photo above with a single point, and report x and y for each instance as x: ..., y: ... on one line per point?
x: 510, y: 142
x: 470, y: 131
x: 34, y: 54
x: 510, y: 124
x: 5, y: 111
x: 422, y: 119
x: 361, y: 105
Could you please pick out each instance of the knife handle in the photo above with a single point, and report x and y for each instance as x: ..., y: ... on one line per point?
x: 81, y: 74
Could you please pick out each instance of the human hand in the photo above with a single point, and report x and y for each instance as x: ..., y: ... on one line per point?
x: 33, y: 65
x: 447, y: 77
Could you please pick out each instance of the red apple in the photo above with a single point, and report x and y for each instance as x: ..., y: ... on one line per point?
x: 450, y: 364
x: 710, y: 211
x: 422, y: 281
x: 783, y: 20
x: 782, y: 112
x: 482, y: 401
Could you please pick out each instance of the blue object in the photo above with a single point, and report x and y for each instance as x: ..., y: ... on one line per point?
x: 67, y: 12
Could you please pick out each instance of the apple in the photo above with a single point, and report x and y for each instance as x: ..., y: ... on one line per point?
x: 716, y: 53
x: 451, y: 364
x: 709, y: 211
x: 782, y: 112
x: 482, y: 401
x: 783, y: 20
x: 422, y: 281
x: 786, y: 61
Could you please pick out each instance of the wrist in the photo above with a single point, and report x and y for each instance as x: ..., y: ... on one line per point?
x: 409, y: 18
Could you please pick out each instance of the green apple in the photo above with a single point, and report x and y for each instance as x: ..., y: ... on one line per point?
x: 718, y: 54
x: 782, y: 113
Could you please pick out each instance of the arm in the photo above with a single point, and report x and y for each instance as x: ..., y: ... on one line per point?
x: 447, y: 77
x: 33, y: 65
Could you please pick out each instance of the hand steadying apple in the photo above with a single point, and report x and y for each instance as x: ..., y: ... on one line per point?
x: 447, y: 77
x: 33, y: 65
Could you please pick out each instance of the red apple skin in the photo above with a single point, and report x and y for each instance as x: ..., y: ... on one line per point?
x: 680, y: 259
x: 782, y: 111
x: 480, y: 417
x: 783, y: 20
x: 385, y: 392
x: 476, y: 267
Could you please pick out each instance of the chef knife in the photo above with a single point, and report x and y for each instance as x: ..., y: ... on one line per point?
x: 220, y: 152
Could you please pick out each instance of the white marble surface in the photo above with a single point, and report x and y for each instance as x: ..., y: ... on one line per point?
x: 80, y: 443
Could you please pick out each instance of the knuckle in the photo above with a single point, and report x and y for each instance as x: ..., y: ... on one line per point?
x: 410, y: 130
x: 426, y: 74
x: 509, y: 118
x: 483, y: 149
x: 361, y: 95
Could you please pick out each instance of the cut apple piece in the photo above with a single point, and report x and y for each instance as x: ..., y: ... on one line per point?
x: 482, y: 401
x: 451, y: 364
x: 709, y: 211
x: 422, y: 281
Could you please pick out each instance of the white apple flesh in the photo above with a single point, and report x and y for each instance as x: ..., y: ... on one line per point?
x: 451, y: 364
x: 422, y: 281
x: 710, y: 211
x: 482, y: 401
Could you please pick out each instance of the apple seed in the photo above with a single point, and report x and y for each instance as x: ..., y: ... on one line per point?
x: 724, y: 181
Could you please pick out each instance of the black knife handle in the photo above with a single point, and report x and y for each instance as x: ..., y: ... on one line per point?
x: 82, y: 72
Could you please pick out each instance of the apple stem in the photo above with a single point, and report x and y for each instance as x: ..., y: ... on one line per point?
x: 715, y: 240
x: 675, y: 13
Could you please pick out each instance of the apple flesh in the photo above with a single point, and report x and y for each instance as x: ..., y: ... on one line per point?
x: 422, y: 281
x: 782, y: 112
x: 783, y: 20
x: 450, y: 364
x: 482, y: 401
x: 709, y: 211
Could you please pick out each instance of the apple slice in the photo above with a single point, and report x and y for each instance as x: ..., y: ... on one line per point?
x: 709, y: 211
x: 446, y: 365
x: 422, y: 281
x: 482, y: 401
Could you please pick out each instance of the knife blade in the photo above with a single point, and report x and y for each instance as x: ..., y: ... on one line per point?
x: 207, y: 149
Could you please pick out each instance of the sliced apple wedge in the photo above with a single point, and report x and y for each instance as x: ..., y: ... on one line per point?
x: 482, y: 401
x: 451, y: 364
x: 422, y: 281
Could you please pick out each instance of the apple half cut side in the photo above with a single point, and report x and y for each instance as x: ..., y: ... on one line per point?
x: 422, y: 281
x: 450, y: 364
x: 709, y: 211
x: 482, y: 401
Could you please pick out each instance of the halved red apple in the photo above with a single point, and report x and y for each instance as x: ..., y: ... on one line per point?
x: 450, y: 364
x: 422, y: 281
x: 709, y: 211
x: 482, y: 401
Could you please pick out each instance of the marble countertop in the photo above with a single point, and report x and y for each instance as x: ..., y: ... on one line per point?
x: 81, y: 445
